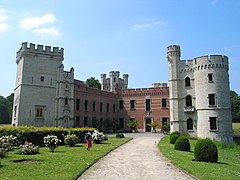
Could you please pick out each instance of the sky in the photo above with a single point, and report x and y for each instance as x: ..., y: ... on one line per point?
x: 130, y: 36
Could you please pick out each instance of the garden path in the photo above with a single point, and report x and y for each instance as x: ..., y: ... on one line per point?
x: 139, y: 159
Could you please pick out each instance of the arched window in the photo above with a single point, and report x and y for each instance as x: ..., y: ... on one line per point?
x: 189, y: 124
x: 187, y: 82
x: 188, y: 100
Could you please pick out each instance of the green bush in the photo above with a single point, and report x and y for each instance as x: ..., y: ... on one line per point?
x: 120, y: 135
x: 35, y: 135
x: 206, y: 151
x: 70, y: 140
x: 28, y: 149
x: 175, y: 132
x: 173, y: 137
x: 182, y: 144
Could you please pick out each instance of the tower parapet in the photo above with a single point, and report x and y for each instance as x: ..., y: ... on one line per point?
x: 40, y: 49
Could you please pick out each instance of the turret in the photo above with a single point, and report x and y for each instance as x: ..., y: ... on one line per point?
x: 125, y: 80
x: 103, y: 81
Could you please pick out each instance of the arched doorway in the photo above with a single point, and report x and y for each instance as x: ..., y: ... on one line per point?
x: 148, y: 121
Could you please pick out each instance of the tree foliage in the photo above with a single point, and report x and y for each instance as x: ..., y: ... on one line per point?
x: 235, y: 103
x: 94, y: 83
x: 6, y: 106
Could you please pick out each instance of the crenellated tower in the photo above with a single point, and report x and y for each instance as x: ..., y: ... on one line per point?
x: 199, y: 96
x: 173, y: 56
x: 39, y: 69
x: 114, y: 82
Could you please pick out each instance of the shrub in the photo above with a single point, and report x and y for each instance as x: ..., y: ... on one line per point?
x: 175, y: 132
x: 51, y: 142
x: 173, y: 136
x: 71, y: 140
x: 97, y: 137
x: 120, y: 135
x: 182, y: 144
x: 206, y: 151
x: 28, y: 148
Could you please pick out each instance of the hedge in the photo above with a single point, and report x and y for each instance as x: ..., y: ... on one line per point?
x: 35, y: 135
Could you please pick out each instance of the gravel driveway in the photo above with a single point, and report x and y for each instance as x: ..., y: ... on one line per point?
x: 137, y: 159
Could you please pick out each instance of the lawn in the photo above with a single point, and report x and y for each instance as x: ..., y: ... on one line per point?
x: 65, y: 163
x: 228, y: 166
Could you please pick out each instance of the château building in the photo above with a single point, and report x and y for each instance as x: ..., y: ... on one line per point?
x: 47, y: 95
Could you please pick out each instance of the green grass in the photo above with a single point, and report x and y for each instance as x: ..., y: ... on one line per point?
x: 236, y: 128
x: 228, y: 166
x: 65, y: 163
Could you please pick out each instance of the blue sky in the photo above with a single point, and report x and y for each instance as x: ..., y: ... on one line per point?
x: 130, y: 36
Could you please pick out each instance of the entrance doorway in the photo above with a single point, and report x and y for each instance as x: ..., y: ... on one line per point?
x: 148, y: 121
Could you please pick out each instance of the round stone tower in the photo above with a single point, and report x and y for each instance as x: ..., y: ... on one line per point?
x: 213, y: 98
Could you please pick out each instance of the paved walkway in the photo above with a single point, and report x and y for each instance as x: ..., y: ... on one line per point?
x: 139, y: 159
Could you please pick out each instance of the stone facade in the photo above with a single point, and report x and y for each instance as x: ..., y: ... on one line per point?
x: 44, y: 91
x: 199, y: 95
x: 46, y: 95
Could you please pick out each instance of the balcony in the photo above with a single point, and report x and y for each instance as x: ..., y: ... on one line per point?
x: 189, y: 109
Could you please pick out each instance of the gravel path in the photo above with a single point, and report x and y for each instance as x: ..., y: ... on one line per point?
x: 137, y: 159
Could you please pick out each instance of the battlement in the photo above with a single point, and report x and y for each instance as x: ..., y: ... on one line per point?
x: 173, y: 48
x: 206, y: 59
x: 103, y: 76
x: 125, y: 75
x: 114, y: 73
x: 40, y: 49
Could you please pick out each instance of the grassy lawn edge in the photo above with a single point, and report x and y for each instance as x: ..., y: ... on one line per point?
x: 227, y: 167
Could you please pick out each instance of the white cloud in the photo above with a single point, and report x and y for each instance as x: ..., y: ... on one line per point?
x: 43, y: 26
x: 147, y: 25
x: 29, y: 23
x: 49, y: 32
x: 3, y: 19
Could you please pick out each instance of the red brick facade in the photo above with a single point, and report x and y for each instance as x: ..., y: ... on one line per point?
x: 110, y: 111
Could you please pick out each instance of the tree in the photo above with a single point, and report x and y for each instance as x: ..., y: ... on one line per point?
x: 4, y: 115
x: 94, y: 83
x: 133, y: 124
x: 154, y: 124
x: 235, y: 103
x: 10, y: 100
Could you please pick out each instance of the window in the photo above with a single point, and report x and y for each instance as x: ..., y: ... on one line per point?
x: 189, y: 124
x: 42, y: 78
x: 164, y: 103
x: 107, y: 107
x: 85, y: 121
x: 148, y: 104
x: 114, y: 108
x: 188, y: 100
x: 121, y: 104
x: 101, y: 107
x: 15, y: 111
x: 213, y: 123
x: 210, y: 77
x: 187, y: 82
x: 211, y: 98
x: 132, y: 104
x: 78, y: 104
x: 66, y: 101
x: 39, y: 111
x: 86, y: 105
x: 114, y: 79
x: 93, y: 106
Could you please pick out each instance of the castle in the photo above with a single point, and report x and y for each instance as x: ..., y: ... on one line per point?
x: 197, y: 100
x: 199, y: 95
